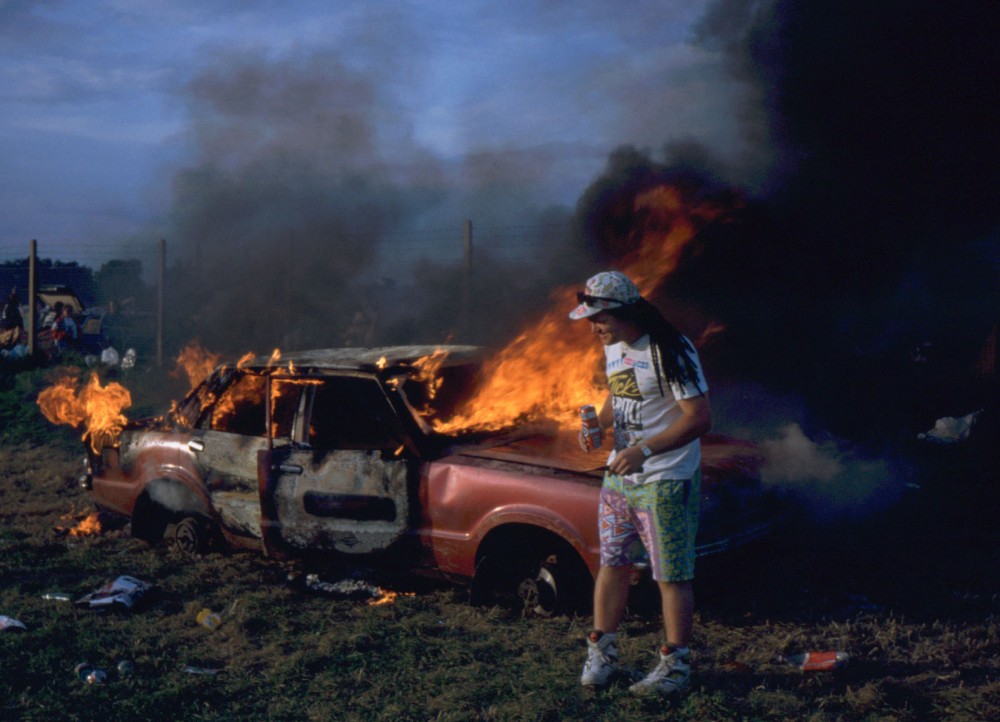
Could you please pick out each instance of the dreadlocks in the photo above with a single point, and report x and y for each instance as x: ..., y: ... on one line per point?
x: 670, y: 350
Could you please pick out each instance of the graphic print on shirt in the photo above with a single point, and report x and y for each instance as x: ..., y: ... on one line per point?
x: 625, y: 402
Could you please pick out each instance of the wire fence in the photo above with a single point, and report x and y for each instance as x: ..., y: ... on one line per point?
x: 512, y: 243
x: 131, y: 275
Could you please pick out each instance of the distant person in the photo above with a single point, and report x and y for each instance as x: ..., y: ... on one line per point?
x: 10, y: 316
x: 45, y: 315
x: 65, y: 332
x: 11, y: 322
x: 658, y: 409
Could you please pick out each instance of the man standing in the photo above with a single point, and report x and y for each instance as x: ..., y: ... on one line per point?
x: 658, y: 407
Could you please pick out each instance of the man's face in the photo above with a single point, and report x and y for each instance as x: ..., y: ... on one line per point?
x: 611, y: 330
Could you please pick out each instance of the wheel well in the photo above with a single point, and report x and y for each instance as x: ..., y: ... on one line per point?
x: 508, y: 560
x: 525, y: 538
x: 163, y: 502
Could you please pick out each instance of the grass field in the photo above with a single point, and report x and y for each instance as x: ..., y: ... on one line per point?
x: 911, y: 595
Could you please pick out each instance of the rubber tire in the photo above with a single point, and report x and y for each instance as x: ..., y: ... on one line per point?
x: 540, y: 584
x: 191, y: 537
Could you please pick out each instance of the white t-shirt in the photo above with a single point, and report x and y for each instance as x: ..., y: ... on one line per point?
x: 641, y: 412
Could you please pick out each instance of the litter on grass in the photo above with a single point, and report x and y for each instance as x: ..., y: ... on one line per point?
x: 348, y: 589
x: 951, y: 429
x: 191, y: 669
x: 209, y: 619
x: 345, y: 588
x: 816, y: 661
x: 123, y: 593
x: 10, y: 623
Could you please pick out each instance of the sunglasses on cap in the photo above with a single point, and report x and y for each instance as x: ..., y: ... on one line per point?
x: 589, y: 300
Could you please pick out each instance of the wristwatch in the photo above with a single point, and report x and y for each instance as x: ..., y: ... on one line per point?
x: 646, y: 451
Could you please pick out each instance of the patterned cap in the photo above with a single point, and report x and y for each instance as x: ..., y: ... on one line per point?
x: 610, y: 289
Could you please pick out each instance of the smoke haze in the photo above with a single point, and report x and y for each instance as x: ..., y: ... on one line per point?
x: 863, y: 214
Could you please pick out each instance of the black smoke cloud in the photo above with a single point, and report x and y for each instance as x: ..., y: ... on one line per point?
x: 282, y: 205
x: 886, y: 179
x: 294, y: 224
x: 874, y: 226
x: 868, y: 219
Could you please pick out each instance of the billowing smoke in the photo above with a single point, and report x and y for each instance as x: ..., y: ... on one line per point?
x: 883, y: 190
x: 863, y: 222
x: 859, y: 276
x: 302, y: 223
x: 869, y: 235
x: 830, y: 475
x: 283, y: 205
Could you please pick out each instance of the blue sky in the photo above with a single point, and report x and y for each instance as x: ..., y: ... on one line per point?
x: 99, y: 100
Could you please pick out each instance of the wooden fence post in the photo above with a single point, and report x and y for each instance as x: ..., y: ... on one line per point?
x: 159, y: 302
x: 32, y: 290
x: 466, y: 279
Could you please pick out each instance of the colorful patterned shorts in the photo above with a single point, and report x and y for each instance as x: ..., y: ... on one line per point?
x: 661, y: 516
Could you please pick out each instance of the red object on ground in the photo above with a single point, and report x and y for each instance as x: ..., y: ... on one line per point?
x: 818, y: 661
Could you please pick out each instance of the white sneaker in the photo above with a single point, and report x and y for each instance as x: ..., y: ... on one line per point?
x: 671, y: 675
x: 602, y: 660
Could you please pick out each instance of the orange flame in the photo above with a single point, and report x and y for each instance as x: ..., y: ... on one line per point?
x: 196, y: 363
x: 388, y: 597
x: 248, y: 390
x: 283, y: 385
x: 97, y: 408
x: 89, y: 525
x: 553, y: 368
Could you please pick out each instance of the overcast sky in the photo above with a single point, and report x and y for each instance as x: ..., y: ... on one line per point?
x: 99, y: 101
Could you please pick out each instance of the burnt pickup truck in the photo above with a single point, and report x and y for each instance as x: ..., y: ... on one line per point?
x: 334, y: 453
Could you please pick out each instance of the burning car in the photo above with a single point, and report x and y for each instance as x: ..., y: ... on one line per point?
x: 341, y: 452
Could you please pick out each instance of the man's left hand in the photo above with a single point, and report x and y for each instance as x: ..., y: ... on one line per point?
x: 627, y: 461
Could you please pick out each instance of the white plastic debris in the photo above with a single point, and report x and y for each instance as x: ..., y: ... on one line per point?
x: 10, y: 623
x: 950, y: 429
x: 128, y: 361
x: 348, y: 588
x: 123, y: 593
x: 109, y: 356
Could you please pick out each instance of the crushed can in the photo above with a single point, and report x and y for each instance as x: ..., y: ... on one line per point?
x: 209, y: 619
x: 591, y: 431
x: 89, y: 674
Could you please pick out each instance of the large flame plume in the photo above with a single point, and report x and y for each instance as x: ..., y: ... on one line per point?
x: 195, y: 362
x: 553, y: 368
x: 98, y: 409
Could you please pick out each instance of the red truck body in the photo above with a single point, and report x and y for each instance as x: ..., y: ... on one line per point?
x: 334, y: 459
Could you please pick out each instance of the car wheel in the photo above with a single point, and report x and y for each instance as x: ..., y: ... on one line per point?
x: 191, y: 537
x: 549, y: 581
x: 539, y: 590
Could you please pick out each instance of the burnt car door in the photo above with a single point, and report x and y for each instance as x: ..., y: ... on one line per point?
x: 344, y: 487
x: 230, y: 432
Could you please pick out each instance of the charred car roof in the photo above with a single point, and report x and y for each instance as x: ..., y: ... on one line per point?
x: 367, y: 359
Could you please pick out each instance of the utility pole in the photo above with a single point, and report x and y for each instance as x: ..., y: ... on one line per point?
x: 159, y: 302
x: 32, y: 289
x: 466, y: 280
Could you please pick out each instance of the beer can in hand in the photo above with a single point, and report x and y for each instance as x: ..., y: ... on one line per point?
x: 591, y: 432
